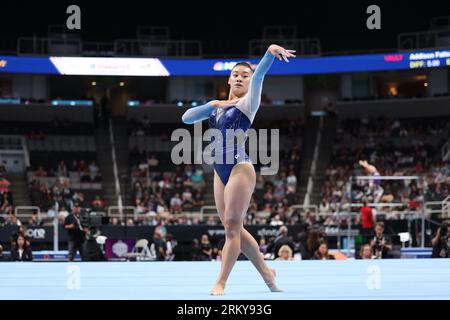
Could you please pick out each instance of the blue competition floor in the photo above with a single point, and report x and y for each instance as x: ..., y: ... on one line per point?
x: 350, y: 279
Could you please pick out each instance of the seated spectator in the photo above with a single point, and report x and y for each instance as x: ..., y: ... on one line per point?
x: 158, y: 248
x: 82, y: 166
x: 94, y: 172
x: 152, y: 162
x: 198, y: 198
x: 33, y: 220
x: 211, y: 221
x: 98, y: 204
x: 40, y: 172
x: 4, y: 185
x: 83, y: 171
x: 62, y: 169
x: 21, y: 251
x: 322, y: 253
x: 197, y: 178
x: 74, y: 166
x: 276, y: 221
x: 324, y: 206
x: 292, y: 180
x: 12, y: 220
x: 186, y: 198
x: 175, y: 203
x: 285, y: 253
x: 205, y: 250
x: 366, y: 252
x: 142, y: 170
x: 309, y: 218
x: 78, y: 198
x: 263, y: 245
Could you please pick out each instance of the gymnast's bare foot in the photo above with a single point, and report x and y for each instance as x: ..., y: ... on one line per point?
x: 218, y: 290
x: 271, y: 282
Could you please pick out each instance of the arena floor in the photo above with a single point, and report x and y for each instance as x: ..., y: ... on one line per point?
x: 350, y: 279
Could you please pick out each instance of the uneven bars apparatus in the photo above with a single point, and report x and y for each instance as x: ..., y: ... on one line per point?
x: 422, y: 240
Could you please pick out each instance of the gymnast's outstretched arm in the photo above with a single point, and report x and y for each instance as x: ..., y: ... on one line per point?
x: 203, y: 112
x: 253, y: 97
x: 198, y: 113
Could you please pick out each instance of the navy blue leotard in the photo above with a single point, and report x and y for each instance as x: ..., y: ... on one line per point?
x: 240, y: 116
x: 232, y: 119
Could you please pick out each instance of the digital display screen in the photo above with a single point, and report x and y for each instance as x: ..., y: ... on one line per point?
x: 217, y: 67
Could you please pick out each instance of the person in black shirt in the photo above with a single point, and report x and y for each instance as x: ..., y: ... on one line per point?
x: 75, y: 231
x: 21, y: 251
x: 322, y: 253
x: 440, y: 242
x: 159, y: 247
x: 205, y: 252
x: 281, y: 240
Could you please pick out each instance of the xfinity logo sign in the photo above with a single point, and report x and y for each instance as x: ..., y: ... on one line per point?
x: 36, y: 233
x: 268, y: 232
x: 217, y: 232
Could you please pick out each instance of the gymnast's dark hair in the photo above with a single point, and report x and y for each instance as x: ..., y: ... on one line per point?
x: 243, y: 63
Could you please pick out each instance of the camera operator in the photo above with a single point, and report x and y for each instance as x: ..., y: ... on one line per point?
x: 440, y: 242
x: 76, y: 232
x: 91, y: 249
x: 379, y: 244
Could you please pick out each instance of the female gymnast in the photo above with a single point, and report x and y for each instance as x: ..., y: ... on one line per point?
x: 235, y: 181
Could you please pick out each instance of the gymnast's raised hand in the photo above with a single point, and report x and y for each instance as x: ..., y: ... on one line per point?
x: 281, y: 53
x: 224, y: 103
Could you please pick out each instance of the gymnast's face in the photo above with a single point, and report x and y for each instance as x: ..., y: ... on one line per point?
x: 239, y: 80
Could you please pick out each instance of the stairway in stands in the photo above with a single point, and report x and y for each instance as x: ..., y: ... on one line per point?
x: 209, y: 188
x: 325, y: 149
x: 19, y: 189
x: 105, y: 160
x: 323, y: 160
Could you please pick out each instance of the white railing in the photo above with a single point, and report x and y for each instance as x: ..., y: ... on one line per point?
x: 446, y: 207
x: 207, y: 208
x: 423, y: 40
x: 158, y: 48
x: 303, y: 47
x: 122, y: 47
x: 432, y: 207
x: 18, y: 209
x: 48, y: 46
x: 118, y: 212
x: 306, y: 208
